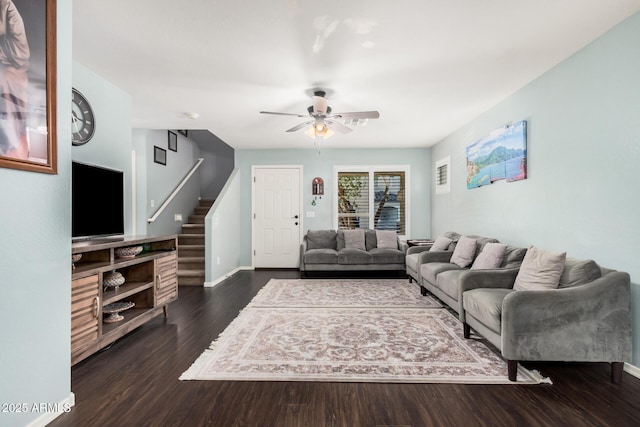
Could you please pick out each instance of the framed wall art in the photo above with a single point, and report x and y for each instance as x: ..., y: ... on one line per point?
x: 500, y: 155
x: 173, y: 141
x: 160, y: 155
x: 28, y: 86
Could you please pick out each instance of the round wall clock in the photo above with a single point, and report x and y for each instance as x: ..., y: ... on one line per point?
x: 83, y: 123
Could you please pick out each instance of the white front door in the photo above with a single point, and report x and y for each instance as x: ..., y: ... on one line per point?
x: 276, y: 216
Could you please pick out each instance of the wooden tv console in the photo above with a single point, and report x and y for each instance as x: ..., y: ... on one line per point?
x: 151, y: 283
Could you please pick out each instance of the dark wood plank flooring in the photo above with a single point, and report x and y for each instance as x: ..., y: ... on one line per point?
x: 135, y: 383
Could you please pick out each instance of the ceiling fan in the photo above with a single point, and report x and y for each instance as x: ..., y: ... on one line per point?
x: 323, y: 121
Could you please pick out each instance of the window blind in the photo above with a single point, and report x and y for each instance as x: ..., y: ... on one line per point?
x: 353, y: 200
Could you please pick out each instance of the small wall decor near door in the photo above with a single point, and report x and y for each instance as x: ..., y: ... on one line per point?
x: 500, y: 155
x: 317, y: 186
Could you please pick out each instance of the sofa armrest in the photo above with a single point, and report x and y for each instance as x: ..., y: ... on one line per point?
x: 402, y: 245
x: 590, y: 323
x: 417, y: 249
x: 436, y: 256
x: 303, y: 249
x: 490, y: 278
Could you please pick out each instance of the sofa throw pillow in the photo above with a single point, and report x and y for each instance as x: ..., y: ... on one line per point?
x: 387, y: 239
x: 491, y: 256
x: 464, y: 252
x: 354, y: 239
x: 540, y: 269
x: 441, y: 244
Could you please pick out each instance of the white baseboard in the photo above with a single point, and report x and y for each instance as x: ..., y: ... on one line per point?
x: 226, y: 276
x: 631, y: 369
x: 63, y: 406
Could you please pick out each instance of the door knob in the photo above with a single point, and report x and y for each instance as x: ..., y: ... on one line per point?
x: 296, y: 217
x: 296, y: 223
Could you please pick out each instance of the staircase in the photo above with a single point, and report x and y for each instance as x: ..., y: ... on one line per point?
x: 191, y: 247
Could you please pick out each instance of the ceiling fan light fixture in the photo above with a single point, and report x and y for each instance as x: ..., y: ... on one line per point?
x: 319, y: 128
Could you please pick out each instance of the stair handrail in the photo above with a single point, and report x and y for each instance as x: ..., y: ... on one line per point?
x: 176, y: 190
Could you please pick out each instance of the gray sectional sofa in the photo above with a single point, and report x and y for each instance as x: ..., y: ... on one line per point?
x: 326, y: 250
x: 585, y: 317
x: 445, y: 279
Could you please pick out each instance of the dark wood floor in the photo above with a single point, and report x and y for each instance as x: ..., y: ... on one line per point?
x: 135, y: 383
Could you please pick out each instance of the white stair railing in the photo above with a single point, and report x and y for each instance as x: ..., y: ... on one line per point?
x: 175, y: 192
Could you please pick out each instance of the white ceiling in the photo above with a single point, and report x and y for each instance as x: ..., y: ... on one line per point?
x: 428, y: 66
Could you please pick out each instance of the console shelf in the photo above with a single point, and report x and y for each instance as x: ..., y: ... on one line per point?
x: 150, y: 283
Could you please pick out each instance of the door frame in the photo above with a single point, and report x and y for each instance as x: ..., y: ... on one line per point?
x: 300, y: 169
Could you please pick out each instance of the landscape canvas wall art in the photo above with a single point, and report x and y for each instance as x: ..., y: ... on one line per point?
x: 500, y: 155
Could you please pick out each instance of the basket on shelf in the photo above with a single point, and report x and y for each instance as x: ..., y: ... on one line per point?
x: 128, y: 252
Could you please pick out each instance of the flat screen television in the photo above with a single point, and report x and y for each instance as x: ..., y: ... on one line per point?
x: 97, y: 201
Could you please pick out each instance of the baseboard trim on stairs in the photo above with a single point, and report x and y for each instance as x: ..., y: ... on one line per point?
x: 226, y: 276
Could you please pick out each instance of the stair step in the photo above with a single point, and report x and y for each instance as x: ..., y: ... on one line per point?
x: 190, y: 251
x: 191, y: 277
x: 191, y: 263
x: 200, y: 210
x: 206, y: 203
x: 193, y: 229
x: 190, y: 239
x: 196, y: 219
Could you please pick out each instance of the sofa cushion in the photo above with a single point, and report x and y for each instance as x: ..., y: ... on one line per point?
x: 490, y: 257
x: 354, y: 239
x: 441, y: 244
x: 485, y: 304
x: 353, y: 256
x: 513, y: 257
x: 447, y: 282
x: 465, y: 252
x: 321, y: 256
x: 386, y: 256
x: 386, y: 239
x: 481, y: 241
x: 578, y: 272
x: 540, y: 269
x: 430, y: 270
x: 370, y: 241
x: 321, y: 239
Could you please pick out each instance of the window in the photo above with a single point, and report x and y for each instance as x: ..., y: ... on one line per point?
x: 372, y: 197
x: 443, y: 175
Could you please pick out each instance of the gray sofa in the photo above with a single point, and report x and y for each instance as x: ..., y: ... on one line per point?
x: 445, y: 279
x: 324, y: 250
x: 587, y: 319
x: 418, y: 255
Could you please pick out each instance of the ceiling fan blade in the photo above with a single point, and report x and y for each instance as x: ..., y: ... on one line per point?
x: 338, y: 127
x: 283, y: 114
x: 357, y: 115
x: 300, y: 126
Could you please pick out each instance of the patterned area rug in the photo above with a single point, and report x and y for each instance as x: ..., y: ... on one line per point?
x: 281, y: 337
x: 342, y: 293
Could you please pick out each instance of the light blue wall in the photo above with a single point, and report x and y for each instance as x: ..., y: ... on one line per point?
x: 582, y: 193
x: 35, y: 266
x: 222, y: 227
x: 111, y: 144
x: 163, y: 179
x: 321, y: 165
